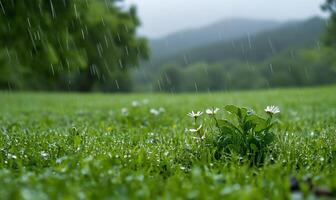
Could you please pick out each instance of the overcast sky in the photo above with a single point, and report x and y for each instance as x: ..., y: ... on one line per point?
x: 161, y: 17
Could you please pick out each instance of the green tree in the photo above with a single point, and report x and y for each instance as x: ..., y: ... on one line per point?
x: 68, y: 43
x: 37, y: 36
x: 330, y: 7
x: 111, y: 47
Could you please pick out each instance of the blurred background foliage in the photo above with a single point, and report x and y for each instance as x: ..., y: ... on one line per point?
x: 92, y: 45
x: 68, y: 44
x: 297, y: 54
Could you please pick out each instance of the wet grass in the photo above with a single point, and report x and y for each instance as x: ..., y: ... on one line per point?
x: 82, y: 146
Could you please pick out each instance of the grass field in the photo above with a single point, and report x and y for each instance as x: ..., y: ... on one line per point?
x: 96, y: 146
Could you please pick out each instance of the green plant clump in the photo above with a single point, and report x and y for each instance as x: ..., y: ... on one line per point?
x: 248, y: 135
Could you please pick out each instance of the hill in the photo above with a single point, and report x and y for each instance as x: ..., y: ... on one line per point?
x: 255, y: 48
x: 217, y: 32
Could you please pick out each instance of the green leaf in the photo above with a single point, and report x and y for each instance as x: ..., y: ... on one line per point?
x: 227, y: 127
x: 241, y: 113
x: 253, y: 147
x: 232, y: 109
x: 268, y: 138
x: 259, y: 122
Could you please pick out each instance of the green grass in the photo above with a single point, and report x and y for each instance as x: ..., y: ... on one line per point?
x: 80, y: 146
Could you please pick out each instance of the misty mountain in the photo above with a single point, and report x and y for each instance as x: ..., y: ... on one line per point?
x: 254, y: 48
x: 221, y: 31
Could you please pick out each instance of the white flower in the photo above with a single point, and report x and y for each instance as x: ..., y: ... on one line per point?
x: 12, y: 156
x: 135, y: 103
x: 124, y: 111
x: 151, y: 134
x: 195, y: 130
x: 145, y: 101
x: 212, y: 111
x: 195, y: 114
x: 154, y: 111
x: 44, y: 154
x: 272, y: 110
x: 161, y: 109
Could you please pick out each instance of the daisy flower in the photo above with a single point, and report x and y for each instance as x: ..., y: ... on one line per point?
x: 135, y: 103
x: 195, y: 114
x: 124, y: 111
x: 272, y: 110
x: 155, y: 112
x: 212, y: 111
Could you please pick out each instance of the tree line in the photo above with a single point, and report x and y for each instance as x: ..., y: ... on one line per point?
x: 304, y: 67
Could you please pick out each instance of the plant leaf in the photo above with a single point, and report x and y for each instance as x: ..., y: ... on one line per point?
x: 226, y: 125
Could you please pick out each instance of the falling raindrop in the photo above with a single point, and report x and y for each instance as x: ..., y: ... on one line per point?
x: 100, y: 50
x: 83, y: 35
x: 52, y: 69
x: 118, y: 35
x: 126, y: 49
x: 76, y: 12
x: 249, y: 40
x: 206, y: 69
x: 117, y: 84
x: 52, y: 9
x: 271, y: 68
x: 271, y: 45
x: 318, y: 45
x: 32, y: 40
x: 159, y: 85
x: 106, y: 41
x: 2, y: 8
x: 120, y: 64
x: 28, y: 21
